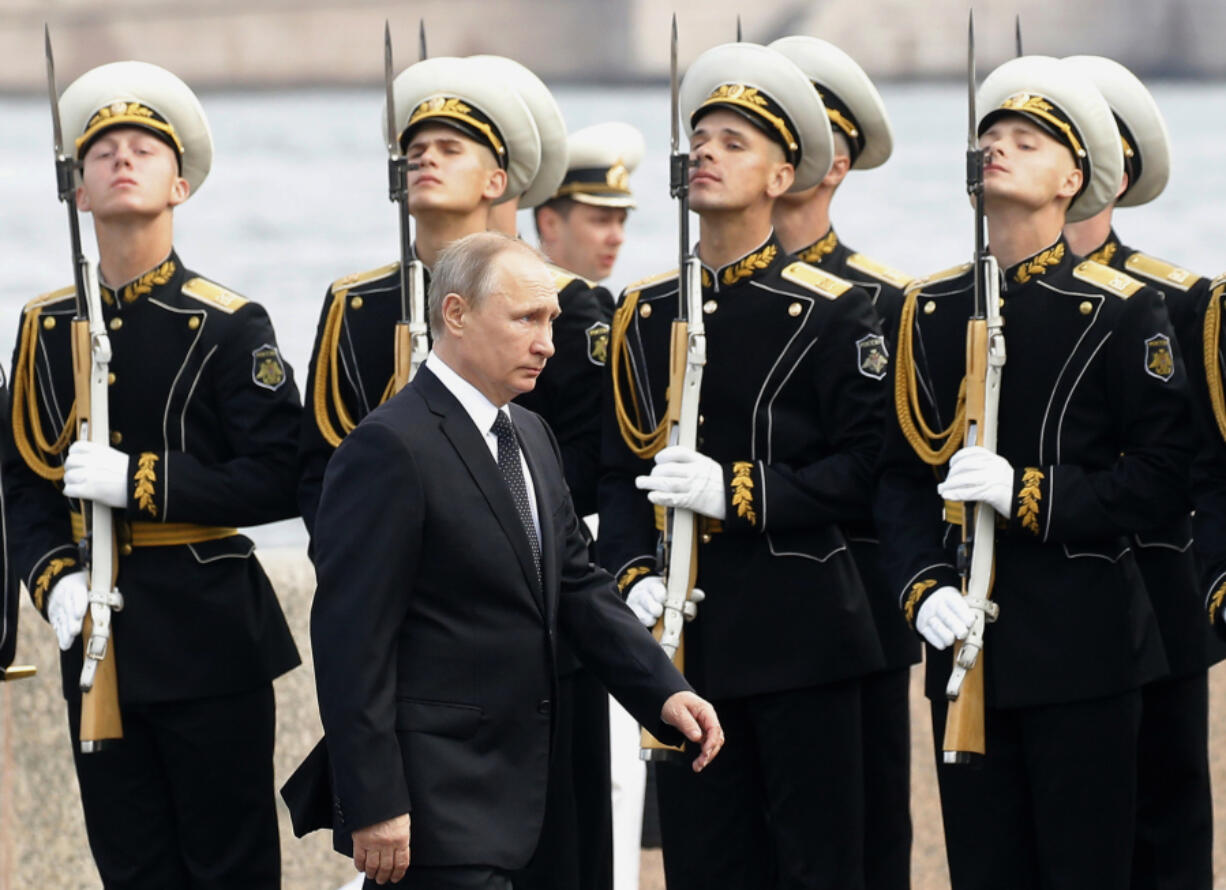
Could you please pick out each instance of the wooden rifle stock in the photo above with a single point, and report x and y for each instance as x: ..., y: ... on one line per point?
x: 101, y: 722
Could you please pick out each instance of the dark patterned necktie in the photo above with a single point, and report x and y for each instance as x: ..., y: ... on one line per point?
x: 513, y: 473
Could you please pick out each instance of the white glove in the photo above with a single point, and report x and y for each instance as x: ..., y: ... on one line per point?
x: 66, y: 608
x: 646, y: 600
x: 976, y: 474
x: 95, y: 472
x: 684, y: 478
x: 944, y: 617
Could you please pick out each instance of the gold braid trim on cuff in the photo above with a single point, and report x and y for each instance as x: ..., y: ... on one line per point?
x: 906, y: 398
x: 917, y: 590
x: 1213, y: 367
x: 642, y: 443
x: 1215, y: 602
x: 742, y: 491
x: 43, y: 585
x: 26, y: 419
x: 1029, y: 497
x: 631, y: 575
x: 146, y: 478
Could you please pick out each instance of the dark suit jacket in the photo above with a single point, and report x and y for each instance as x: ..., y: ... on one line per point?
x: 434, y: 641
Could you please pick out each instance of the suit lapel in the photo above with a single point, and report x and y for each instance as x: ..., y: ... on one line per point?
x: 470, y: 444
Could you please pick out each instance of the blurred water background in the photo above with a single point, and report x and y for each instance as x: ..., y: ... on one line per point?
x: 297, y: 197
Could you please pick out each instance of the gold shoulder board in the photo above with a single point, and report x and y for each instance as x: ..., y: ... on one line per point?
x: 880, y: 271
x: 214, y: 294
x: 1218, y: 282
x: 944, y: 275
x: 644, y: 283
x: 812, y: 278
x: 563, y: 277
x: 1123, y: 286
x: 353, y: 280
x: 1162, y: 272
x: 52, y: 297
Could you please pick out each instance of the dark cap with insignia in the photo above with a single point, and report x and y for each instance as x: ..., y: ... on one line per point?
x: 550, y: 125
x: 600, y: 160
x: 1064, y: 103
x: 770, y: 92
x: 852, y: 102
x: 463, y: 95
x: 137, y: 94
x: 1143, y: 136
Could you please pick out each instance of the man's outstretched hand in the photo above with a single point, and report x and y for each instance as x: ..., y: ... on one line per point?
x: 697, y: 721
x: 382, y: 850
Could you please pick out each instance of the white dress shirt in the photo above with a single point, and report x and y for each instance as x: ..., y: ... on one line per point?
x: 483, y: 412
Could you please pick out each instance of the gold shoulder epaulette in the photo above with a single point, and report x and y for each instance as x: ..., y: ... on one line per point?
x: 944, y: 275
x: 214, y: 294
x: 563, y: 277
x: 1162, y: 272
x: 52, y: 297
x: 345, y: 282
x: 643, y: 283
x: 829, y: 286
x: 1218, y: 282
x: 1123, y: 286
x: 861, y: 263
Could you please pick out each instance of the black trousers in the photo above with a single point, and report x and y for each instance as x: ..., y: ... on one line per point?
x: 887, y: 779
x: 575, y: 851
x: 186, y: 800
x: 456, y: 878
x: 783, y: 804
x: 1174, y: 841
x: 1052, y: 806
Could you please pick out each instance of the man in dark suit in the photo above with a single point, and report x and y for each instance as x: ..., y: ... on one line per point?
x: 449, y: 561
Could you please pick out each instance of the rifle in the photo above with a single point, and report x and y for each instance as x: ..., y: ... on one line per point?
x: 985, y: 358
x: 411, y: 343
x: 101, y: 723
x: 677, y: 554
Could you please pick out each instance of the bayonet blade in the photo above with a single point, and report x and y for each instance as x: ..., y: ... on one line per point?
x: 739, y: 38
x: 53, y: 94
x: 1017, y: 34
x: 972, y: 137
x: 672, y: 79
x: 393, y: 137
x: 421, y: 40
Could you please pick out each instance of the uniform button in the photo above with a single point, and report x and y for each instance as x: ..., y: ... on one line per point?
x: 48, y: 322
x: 1085, y: 308
x: 701, y: 420
x: 356, y: 303
x: 116, y: 437
x: 1001, y: 302
x: 193, y: 322
x: 795, y: 309
x: 125, y: 549
x: 710, y: 306
x: 930, y: 307
x: 645, y: 310
x: 706, y: 537
x: 116, y: 324
x: 110, y: 379
x: 544, y: 707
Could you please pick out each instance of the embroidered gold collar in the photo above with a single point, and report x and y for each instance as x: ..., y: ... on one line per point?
x: 139, y: 287
x: 747, y: 266
x: 822, y: 247
x: 1106, y: 253
x: 1039, y: 264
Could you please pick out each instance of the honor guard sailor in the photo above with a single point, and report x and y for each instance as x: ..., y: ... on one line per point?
x: 789, y: 429
x: 1092, y: 449
x: 204, y: 416
x: 1174, y: 835
x: 470, y: 142
x: 863, y: 140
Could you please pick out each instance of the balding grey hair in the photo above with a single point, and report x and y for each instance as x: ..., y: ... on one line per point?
x: 466, y: 267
